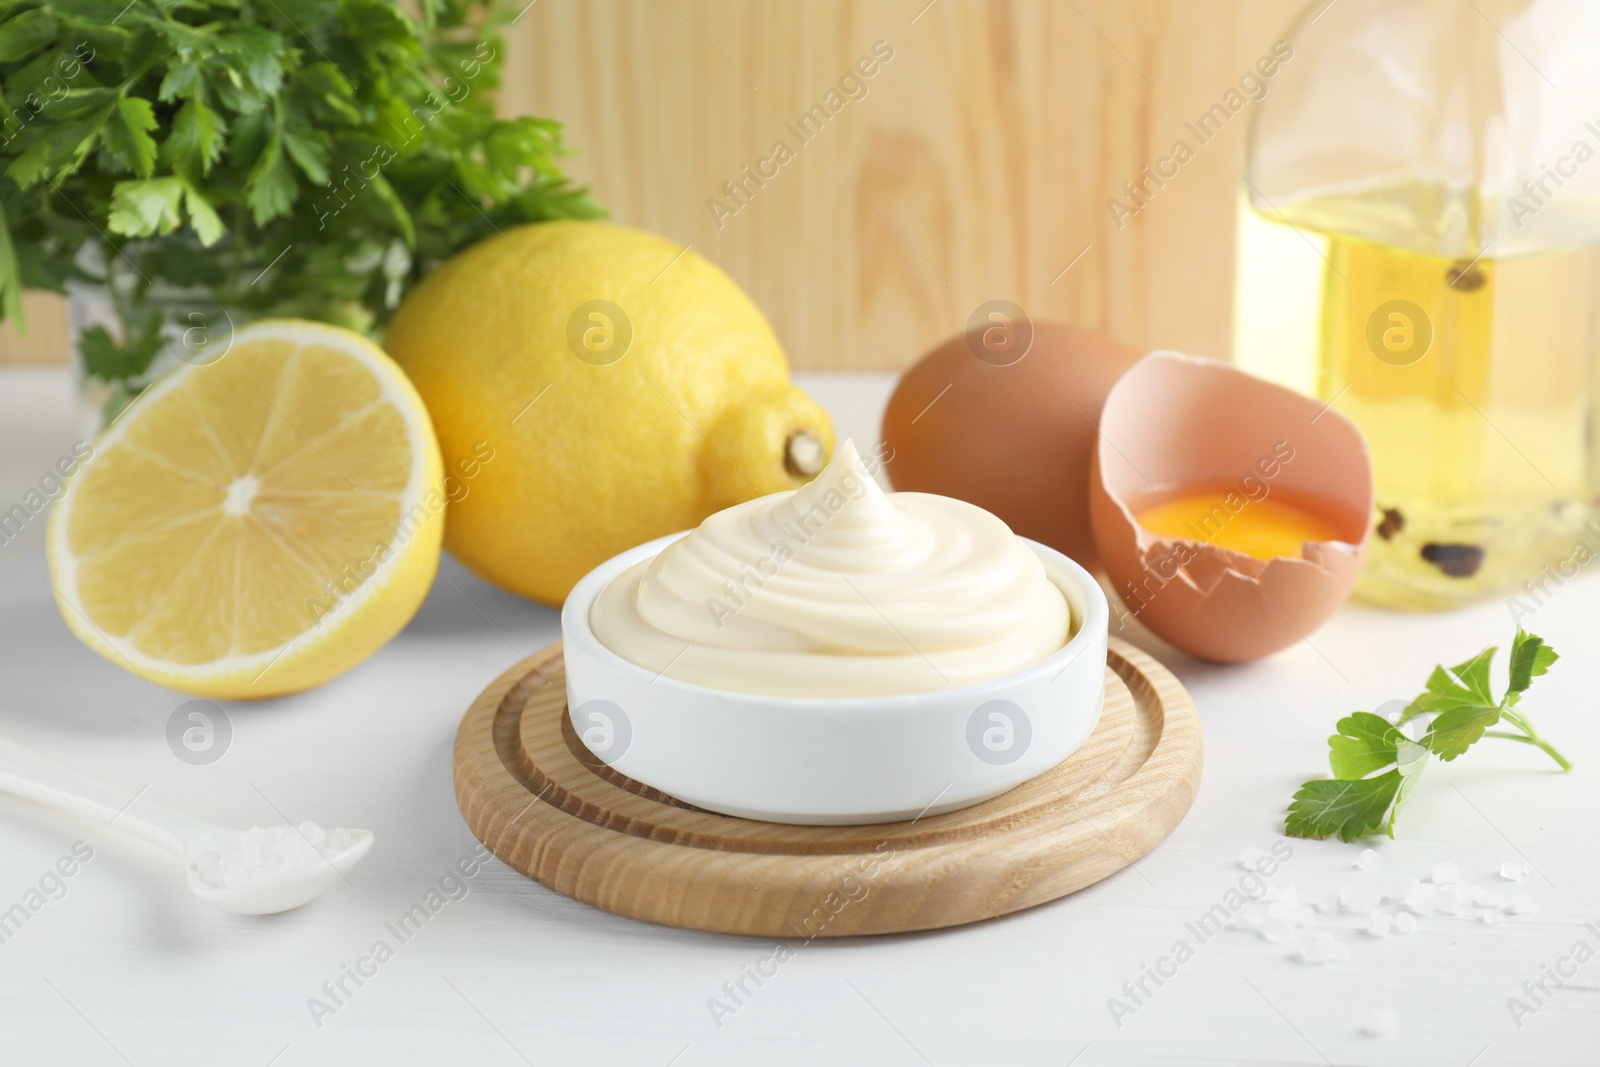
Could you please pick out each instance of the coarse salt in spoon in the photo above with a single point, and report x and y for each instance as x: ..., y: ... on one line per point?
x: 259, y: 871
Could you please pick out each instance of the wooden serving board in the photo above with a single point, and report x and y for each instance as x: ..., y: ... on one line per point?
x: 548, y: 808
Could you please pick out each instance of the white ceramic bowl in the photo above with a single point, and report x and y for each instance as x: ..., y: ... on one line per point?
x: 835, y: 760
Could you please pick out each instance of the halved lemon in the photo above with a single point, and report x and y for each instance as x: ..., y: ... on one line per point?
x: 258, y: 523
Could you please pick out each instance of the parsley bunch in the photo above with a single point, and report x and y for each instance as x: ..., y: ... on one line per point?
x: 1376, y: 764
x: 286, y: 157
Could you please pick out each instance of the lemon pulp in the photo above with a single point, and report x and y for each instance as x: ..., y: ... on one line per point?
x: 257, y: 524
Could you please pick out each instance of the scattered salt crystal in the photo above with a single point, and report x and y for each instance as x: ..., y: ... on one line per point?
x: 1275, y: 921
x: 1381, y: 1023
x: 1396, y: 893
x: 1286, y: 916
x: 241, y: 857
x: 1420, y: 897
x: 1250, y: 857
x: 1449, y: 900
x: 1315, y: 947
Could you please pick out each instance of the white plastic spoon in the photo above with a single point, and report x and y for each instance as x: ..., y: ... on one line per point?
x: 33, y: 775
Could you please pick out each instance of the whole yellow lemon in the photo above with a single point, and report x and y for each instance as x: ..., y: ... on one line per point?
x: 593, y: 387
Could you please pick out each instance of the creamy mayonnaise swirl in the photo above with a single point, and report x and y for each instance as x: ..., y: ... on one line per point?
x: 837, y: 589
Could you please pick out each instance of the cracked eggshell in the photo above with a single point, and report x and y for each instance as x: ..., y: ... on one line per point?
x: 1175, y: 420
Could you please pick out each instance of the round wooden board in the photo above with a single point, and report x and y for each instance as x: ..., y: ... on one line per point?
x: 547, y: 807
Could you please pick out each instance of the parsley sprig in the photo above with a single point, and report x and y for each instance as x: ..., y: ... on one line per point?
x: 1376, y: 763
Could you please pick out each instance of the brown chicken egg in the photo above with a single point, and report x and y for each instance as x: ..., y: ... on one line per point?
x: 1004, y: 418
x: 1230, y: 513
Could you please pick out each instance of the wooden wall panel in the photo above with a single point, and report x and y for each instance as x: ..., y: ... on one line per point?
x: 45, y: 338
x: 977, y: 165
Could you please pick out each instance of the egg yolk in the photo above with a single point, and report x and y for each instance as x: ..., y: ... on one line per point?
x: 1265, y: 528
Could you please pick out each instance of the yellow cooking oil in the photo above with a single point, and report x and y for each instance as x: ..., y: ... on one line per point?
x: 1469, y: 374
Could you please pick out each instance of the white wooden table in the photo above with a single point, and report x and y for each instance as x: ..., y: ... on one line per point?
x: 126, y: 968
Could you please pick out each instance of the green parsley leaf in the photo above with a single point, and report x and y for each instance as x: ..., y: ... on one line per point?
x: 1365, y: 743
x: 147, y: 207
x: 256, y: 53
x: 93, y: 10
x: 271, y: 186
x: 32, y: 165
x: 1350, y: 809
x: 186, y: 81
x: 127, y: 135
x: 1456, y: 730
x: 83, y: 103
x: 196, y: 138
x: 309, y: 150
x: 1530, y: 657
x: 102, y: 356
x: 385, y: 192
x: 1474, y: 675
x: 109, y: 361
x: 24, y: 35
x: 202, y: 216
x: 1464, y: 685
